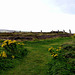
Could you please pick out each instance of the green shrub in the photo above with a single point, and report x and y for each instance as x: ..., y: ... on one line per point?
x: 14, y: 49
x: 11, y: 51
x: 64, y: 64
x: 1, y: 41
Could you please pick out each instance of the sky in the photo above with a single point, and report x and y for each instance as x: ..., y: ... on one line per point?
x: 37, y: 15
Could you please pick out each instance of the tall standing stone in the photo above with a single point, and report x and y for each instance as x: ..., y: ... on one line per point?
x: 41, y: 31
x: 63, y: 31
x: 69, y: 31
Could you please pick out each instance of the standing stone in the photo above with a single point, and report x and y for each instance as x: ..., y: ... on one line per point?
x: 63, y: 31
x: 58, y: 31
x: 52, y: 31
x: 41, y: 31
x: 69, y: 31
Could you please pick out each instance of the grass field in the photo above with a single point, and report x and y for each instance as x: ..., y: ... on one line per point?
x: 35, y: 63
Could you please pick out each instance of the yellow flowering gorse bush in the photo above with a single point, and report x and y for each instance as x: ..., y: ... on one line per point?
x: 13, y: 56
x: 54, y: 51
x: 73, y: 36
x: 3, y: 54
x: 7, y: 42
x: 9, y: 46
x: 10, y: 51
x: 12, y: 48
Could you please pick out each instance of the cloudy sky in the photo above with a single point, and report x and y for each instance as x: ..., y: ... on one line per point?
x: 37, y: 15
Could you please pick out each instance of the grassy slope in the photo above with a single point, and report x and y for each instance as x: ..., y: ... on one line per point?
x: 37, y: 58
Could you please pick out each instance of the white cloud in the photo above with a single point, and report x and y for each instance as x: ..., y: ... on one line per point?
x: 33, y: 15
x: 66, y: 6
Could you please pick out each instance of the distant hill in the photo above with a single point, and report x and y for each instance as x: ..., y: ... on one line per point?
x: 5, y: 30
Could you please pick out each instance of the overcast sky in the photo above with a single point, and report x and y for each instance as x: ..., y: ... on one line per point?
x: 37, y: 15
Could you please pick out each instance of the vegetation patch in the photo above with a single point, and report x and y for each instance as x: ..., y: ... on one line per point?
x: 63, y: 60
x: 11, y: 51
x: 40, y: 61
